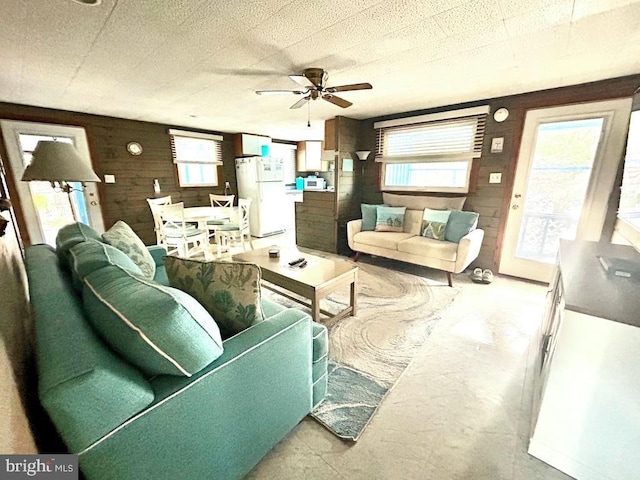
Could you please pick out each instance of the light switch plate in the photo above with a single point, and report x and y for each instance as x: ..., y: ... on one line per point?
x: 495, y: 177
x: 109, y: 179
x: 497, y: 144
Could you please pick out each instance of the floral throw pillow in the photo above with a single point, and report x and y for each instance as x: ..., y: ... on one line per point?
x: 229, y: 291
x: 434, y: 223
x: 125, y: 239
x: 390, y: 219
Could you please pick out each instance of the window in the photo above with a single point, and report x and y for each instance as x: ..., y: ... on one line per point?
x: 430, y: 152
x: 287, y: 153
x: 196, y: 156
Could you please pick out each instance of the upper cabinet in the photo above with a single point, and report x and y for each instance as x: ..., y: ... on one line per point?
x: 310, y: 156
x: 247, y: 145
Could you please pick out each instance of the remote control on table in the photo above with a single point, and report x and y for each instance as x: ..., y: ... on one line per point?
x: 302, y: 264
x: 296, y: 262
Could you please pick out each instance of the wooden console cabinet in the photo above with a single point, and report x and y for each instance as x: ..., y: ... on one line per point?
x: 586, y: 412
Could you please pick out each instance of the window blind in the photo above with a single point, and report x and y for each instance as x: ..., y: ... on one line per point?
x: 194, y: 147
x: 439, y: 140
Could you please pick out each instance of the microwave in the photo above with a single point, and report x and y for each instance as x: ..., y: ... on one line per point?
x: 314, y: 183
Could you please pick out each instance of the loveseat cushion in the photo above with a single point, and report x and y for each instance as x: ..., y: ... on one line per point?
x: 159, y: 329
x: 229, y: 291
x: 381, y: 239
x: 71, y: 235
x: 121, y: 236
x: 429, y: 247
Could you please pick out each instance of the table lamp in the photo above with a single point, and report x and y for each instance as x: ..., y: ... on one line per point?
x: 59, y: 163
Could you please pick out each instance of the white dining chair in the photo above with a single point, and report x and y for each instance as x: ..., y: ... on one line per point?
x: 157, y: 223
x: 179, y: 235
x: 236, y: 230
x: 222, y: 201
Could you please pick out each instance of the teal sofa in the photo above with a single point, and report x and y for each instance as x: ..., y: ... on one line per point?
x: 126, y: 424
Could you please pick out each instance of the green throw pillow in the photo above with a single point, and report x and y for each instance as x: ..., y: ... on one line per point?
x: 229, y: 291
x: 124, y: 238
x: 390, y: 219
x: 460, y: 224
x: 369, y: 216
x: 434, y: 223
x: 159, y: 329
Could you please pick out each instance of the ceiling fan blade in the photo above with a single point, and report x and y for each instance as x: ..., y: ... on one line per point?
x: 300, y: 103
x: 279, y: 92
x: 341, y: 102
x: 302, y: 80
x: 345, y: 88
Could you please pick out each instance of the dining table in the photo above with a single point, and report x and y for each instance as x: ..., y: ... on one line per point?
x: 201, y: 215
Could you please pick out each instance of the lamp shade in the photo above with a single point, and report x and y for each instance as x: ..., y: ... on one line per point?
x: 58, y: 162
x: 363, y: 154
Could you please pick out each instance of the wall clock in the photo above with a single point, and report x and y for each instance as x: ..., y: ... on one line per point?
x: 501, y: 114
x: 134, y: 148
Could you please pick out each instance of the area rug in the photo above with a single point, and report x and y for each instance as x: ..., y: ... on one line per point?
x: 396, y: 312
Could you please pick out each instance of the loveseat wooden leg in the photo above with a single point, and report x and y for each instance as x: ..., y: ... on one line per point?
x: 356, y: 256
x: 449, y: 279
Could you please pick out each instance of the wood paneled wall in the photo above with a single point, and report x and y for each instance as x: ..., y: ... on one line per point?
x: 491, y: 201
x: 108, y: 138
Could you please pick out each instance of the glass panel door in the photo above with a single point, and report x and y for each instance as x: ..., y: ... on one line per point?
x: 563, y: 159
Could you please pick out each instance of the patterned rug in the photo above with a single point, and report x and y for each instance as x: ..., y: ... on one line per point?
x: 396, y: 311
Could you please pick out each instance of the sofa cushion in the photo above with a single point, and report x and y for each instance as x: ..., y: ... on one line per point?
x: 87, y: 257
x: 229, y: 291
x: 71, y: 235
x: 381, y: 239
x: 389, y: 219
x: 413, y: 221
x: 369, y: 216
x: 159, y: 329
x: 420, y: 202
x: 460, y: 224
x: 124, y: 238
x: 434, y: 223
x: 429, y: 247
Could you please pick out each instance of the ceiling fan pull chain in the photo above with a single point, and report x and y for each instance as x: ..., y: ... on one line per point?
x: 309, y: 114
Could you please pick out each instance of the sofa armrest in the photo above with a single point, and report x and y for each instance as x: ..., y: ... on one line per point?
x: 353, y: 227
x: 468, y: 249
x: 157, y: 252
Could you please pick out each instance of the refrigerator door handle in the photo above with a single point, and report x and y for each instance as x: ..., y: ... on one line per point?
x: 259, y: 185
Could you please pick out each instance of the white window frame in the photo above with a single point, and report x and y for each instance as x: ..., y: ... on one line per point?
x: 454, y: 149
x: 181, y: 163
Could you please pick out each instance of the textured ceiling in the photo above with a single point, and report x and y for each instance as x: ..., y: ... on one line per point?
x: 197, y: 62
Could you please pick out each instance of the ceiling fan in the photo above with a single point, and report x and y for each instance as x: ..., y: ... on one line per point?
x: 314, y: 82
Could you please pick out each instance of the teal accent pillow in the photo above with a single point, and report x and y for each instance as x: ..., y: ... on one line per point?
x: 369, y: 216
x: 434, y: 223
x: 390, y: 219
x: 71, y: 235
x: 229, y: 291
x: 125, y: 239
x: 159, y: 329
x: 460, y: 224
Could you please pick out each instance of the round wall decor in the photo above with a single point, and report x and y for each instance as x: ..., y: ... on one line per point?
x: 134, y: 148
x: 501, y: 114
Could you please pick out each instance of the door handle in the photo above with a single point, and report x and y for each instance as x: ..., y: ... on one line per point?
x: 93, y: 203
x: 517, y: 195
x: 515, y: 207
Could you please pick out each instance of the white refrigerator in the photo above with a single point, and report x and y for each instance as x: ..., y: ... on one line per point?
x: 262, y: 180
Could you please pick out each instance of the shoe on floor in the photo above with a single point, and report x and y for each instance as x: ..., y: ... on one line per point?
x: 476, y: 275
x: 487, y: 276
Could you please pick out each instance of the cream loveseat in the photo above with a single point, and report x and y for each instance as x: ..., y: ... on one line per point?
x: 409, y: 246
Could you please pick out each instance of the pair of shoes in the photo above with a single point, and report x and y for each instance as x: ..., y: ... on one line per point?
x: 476, y: 275
x: 487, y: 276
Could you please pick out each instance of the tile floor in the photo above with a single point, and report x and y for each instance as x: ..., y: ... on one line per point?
x: 460, y: 411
